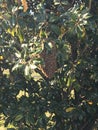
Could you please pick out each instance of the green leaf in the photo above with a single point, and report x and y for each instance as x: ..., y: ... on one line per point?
x: 16, y: 66
x: 69, y: 109
x: 55, y: 29
x: 13, y: 20
x: 64, y: 2
x: 69, y: 81
x: 18, y: 117
x: 53, y: 19
x: 37, y: 61
x: 20, y: 35
x: 27, y: 70
x: 56, y: 2
x: 32, y: 66
x: 18, y: 54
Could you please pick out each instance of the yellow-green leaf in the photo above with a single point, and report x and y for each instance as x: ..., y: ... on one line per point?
x: 69, y: 109
x: 18, y: 117
x: 20, y: 35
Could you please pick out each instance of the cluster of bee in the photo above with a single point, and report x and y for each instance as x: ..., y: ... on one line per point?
x: 50, y: 62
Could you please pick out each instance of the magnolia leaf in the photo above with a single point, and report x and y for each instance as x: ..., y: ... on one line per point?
x: 64, y: 2
x: 18, y: 55
x: 13, y: 20
x: 90, y: 102
x: 37, y: 61
x: 69, y: 81
x: 80, y: 28
x: 50, y: 45
x: 9, y: 30
x: 19, y: 34
x: 27, y: 70
x: 56, y: 2
x: 18, y: 117
x: 86, y: 16
x: 55, y: 29
x: 1, y: 57
x: 16, y: 66
x: 69, y: 109
x: 32, y: 66
x: 13, y: 32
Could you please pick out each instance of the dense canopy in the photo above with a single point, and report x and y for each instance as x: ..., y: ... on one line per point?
x: 49, y: 64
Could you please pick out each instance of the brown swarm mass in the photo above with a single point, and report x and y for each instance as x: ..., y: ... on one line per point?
x: 50, y: 64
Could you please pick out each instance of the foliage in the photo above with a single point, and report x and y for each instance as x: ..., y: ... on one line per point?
x: 59, y: 36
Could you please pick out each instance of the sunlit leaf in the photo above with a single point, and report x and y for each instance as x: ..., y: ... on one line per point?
x: 32, y: 66
x: 1, y: 57
x: 18, y: 55
x: 20, y: 35
x: 56, y: 2
x: 90, y: 102
x: 16, y: 66
x: 69, y: 81
x: 69, y: 109
x: 27, y: 70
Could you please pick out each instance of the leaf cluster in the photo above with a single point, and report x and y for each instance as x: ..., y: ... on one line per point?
x: 69, y: 99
